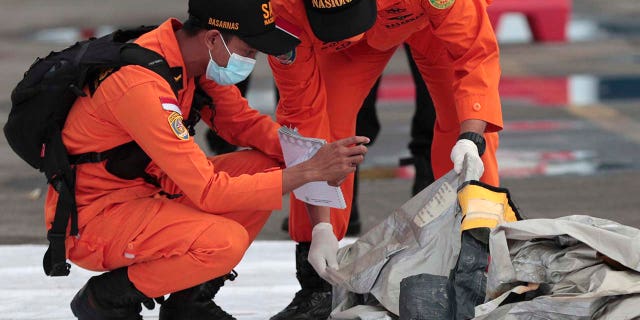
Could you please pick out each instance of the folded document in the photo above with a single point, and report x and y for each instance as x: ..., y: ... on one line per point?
x: 297, y: 149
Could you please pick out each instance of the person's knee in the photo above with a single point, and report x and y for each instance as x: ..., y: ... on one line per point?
x: 221, y: 244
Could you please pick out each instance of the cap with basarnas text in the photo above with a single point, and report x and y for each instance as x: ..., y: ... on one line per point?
x: 251, y: 20
x: 335, y: 20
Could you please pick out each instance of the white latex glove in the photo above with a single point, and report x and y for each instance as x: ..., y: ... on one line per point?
x: 465, y: 147
x: 324, y: 249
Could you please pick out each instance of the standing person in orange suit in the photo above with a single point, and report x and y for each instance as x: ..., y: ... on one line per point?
x: 345, y: 45
x: 368, y: 125
x: 183, y: 223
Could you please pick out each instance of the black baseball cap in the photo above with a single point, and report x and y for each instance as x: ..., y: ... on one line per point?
x: 251, y: 20
x: 335, y: 20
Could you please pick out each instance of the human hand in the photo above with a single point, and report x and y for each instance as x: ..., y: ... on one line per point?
x: 336, y: 183
x: 466, y: 148
x: 324, y: 249
x: 337, y: 159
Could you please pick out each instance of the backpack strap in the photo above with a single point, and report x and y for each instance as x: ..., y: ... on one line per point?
x: 63, y: 181
x: 132, y: 53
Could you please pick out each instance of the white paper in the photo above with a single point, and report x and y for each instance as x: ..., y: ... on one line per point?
x: 297, y: 149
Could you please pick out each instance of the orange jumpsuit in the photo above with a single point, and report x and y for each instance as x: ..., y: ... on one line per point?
x: 323, y: 85
x: 169, y: 244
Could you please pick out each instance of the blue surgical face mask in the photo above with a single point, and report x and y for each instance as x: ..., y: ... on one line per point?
x: 238, y: 68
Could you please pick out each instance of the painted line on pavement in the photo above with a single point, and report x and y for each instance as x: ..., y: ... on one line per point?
x: 608, y: 119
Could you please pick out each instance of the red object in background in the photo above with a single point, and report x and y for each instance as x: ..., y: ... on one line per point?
x: 541, y: 91
x: 87, y: 33
x: 548, y: 19
x: 397, y: 87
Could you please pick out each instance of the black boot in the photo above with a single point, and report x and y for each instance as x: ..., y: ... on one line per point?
x: 196, y: 303
x: 313, y: 301
x: 109, y: 296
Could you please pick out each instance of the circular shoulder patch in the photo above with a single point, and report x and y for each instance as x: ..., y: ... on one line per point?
x: 175, y: 121
x: 287, y: 58
x: 441, y: 4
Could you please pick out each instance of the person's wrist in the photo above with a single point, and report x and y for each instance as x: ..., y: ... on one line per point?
x: 319, y: 227
x: 307, y: 172
x: 477, y: 139
x: 311, y: 174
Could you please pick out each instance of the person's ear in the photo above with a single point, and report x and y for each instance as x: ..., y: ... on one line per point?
x: 210, y: 38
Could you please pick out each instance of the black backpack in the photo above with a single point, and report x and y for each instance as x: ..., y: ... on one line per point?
x: 40, y: 104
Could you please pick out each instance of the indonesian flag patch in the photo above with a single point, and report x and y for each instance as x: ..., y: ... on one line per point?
x: 177, y: 126
x: 170, y: 104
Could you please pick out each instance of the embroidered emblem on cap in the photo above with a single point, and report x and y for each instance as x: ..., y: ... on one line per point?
x: 267, y: 13
x: 329, y: 4
x: 441, y: 4
x: 175, y: 121
x: 287, y: 58
x: 224, y: 24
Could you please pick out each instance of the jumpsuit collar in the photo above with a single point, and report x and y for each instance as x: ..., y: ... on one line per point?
x: 166, y: 38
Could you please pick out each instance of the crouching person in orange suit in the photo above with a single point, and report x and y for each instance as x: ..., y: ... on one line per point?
x: 183, y: 221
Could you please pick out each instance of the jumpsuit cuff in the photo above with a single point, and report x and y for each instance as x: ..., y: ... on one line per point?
x: 483, y: 108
